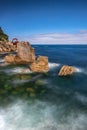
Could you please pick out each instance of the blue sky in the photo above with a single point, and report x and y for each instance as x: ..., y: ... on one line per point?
x: 45, y: 21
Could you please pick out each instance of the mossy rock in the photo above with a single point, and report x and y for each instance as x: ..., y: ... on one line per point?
x: 3, y: 92
x: 31, y: 90
x: 42, y: 92
x: 22, y: 77
x: 32, y: 94
x: 7, y: 87
x: 25, y: 77
x: 14, y: 92
x: 38, y: 82
x: 20, y: 89
x: 1, y: 97
x: 24, y: 96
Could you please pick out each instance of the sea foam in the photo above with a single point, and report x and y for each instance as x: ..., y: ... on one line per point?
x: 39, y: 116
x: 79, y: 70
x: 81, y: 98
x: 1, y: 60
x: 53, y: 65
x: 16, y: 70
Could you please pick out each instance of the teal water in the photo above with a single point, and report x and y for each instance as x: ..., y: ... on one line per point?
x: 50, y: 102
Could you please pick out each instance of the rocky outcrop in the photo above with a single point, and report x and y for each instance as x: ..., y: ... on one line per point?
x: 9, y: 59
x: 66, y: 70
x: 40, y: 64
x: 6, y: 47
x: 26, y: 52
x: 26, y: 55
x: 14, y: 59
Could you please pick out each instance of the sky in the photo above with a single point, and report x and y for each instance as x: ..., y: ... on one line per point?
x: 45, y: 21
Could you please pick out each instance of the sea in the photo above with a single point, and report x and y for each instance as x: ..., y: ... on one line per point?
x: 31, y: 101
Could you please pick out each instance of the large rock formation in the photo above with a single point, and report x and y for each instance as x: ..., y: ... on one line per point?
x: 26, y: 52
x: 13, y: 59
x: 66, y: 70
x: 40, y: 64
x: 26, y: 55
x: 6, y: 47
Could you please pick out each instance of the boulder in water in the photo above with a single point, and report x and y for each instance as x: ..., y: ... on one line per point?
x: 66, y: 70
x: 40, y: 64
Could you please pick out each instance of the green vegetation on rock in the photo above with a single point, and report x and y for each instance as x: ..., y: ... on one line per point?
x: 3, y: 36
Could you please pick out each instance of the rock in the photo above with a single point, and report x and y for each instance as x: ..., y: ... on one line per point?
x: 18, y: 60
x: 26, y: 55
x: 14, y: 59
x: 40, y: 64
x: 66, y: 70
x: 6, y: 47
x: 26, y: 52
x: 10, y: 59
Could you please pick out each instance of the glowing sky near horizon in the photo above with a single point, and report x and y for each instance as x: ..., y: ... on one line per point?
x: 45, y: 21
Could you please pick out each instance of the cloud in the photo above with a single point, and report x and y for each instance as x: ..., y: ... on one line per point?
x: 58, y: 38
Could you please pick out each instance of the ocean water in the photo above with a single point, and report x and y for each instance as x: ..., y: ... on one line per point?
x: 47, y: 102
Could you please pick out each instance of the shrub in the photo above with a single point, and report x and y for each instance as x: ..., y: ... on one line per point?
x: 3, y: 36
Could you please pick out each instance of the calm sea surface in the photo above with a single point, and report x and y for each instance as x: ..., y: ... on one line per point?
x: 49, y: 102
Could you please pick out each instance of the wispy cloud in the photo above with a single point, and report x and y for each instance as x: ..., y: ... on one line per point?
x: 58, y: 38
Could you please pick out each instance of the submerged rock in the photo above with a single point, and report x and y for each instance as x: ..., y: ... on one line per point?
x: 66, y: 70
x: 40, y: 64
